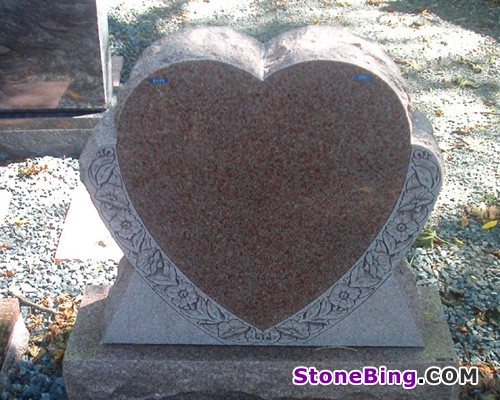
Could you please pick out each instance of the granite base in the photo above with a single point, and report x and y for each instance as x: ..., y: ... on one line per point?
x: 38, y: 137
x: 95, y: 371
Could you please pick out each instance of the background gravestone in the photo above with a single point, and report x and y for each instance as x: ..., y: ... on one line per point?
x: 54, y: 65
x: 262, y: 195
x: 54, y: 55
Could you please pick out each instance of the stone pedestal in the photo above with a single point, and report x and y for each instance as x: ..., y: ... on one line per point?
x: 96, y: 371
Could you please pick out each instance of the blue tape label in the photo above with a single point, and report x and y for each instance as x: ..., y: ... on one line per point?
x: 362, y: 77
x: 158, y: 80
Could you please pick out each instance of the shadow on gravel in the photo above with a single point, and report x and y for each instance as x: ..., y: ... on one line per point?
x: 480, y: 16
x: 136, y: 36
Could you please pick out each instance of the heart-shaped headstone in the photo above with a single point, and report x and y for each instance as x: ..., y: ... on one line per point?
x: 260, y: 175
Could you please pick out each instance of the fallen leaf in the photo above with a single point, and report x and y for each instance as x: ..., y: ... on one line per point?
x: 457, y: 241
x: 4, y: 245
x: 428, y: 238
x: 492, y: 316
x: 452, y: 297
x: 462, y: 82
x: 463, y: 131
x: 438, y: 112
x: 464, y: 220
x: 8, y: 273
x: 31, y: 169
x: 74, y: 95
x: 21, y: 222
x: 408, y: 63
x: 490, y: 224
x: 496, y: 253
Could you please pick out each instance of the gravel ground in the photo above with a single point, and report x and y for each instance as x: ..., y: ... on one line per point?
x: 449, y: 54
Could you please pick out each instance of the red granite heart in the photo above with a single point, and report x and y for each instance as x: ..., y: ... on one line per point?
x: 263, y: 193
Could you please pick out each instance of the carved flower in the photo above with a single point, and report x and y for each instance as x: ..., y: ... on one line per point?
x: 150, y: 261
x: 125, y: 225
x: 417, y: 199
x: 402, y: 227
x: 182, y: 295
x: 344, y: 296
x: 111, y: 197
x: 377, y: 264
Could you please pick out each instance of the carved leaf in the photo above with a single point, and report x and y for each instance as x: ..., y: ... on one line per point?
x: 137, y: 240
x: 232, y: 328
x: 295, y: 329
x: 312, y: 312
x: 214, y: 312
x: 103, y: 174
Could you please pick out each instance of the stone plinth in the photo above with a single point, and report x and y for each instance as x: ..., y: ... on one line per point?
x: 94, y: 371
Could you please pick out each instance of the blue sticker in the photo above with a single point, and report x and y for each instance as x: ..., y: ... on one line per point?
x: 158, y: 80
x: 362, y: 77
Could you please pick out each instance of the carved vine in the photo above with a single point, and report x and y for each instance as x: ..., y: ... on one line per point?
x: 369, y: 272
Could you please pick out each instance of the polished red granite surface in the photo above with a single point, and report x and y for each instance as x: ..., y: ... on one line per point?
x: 263, y: 193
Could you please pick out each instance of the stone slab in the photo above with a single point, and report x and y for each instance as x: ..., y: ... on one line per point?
x: 259, y: 155
x: 136, y: 314
x: 84, y: 235
x: 95, y: 371
x: 117, y: 66
x: 5, y: 197
x: 13, y: 336
x: 38, y: 137
x: 54, y: 54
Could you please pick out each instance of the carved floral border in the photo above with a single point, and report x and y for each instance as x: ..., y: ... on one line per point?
x: 357, y: 284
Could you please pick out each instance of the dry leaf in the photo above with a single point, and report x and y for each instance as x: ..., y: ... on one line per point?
x: 74, y: 95
x: 21, y: 222
x: 452, y: 297
x: 438, y: 112
x: 464, y: 220
x: 31, y: 169
x: 8, y: 273
x: 490, y: 224
x: 496, y: 253
x: 4, y: 245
